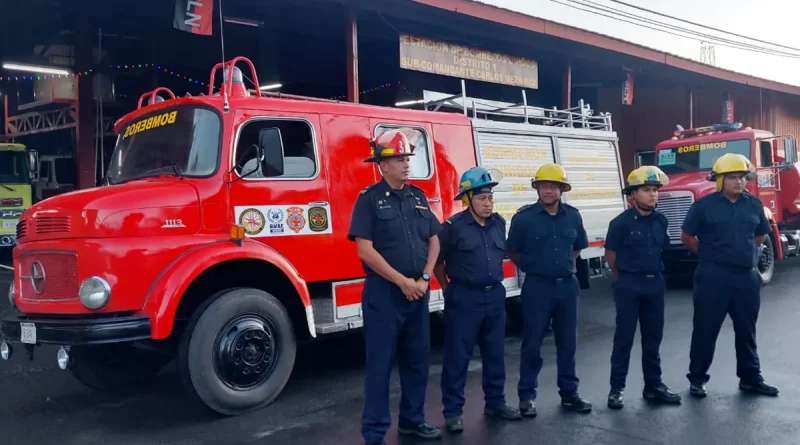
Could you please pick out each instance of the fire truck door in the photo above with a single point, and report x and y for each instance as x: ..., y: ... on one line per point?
x: 423, y: 173
x: 767, y: 177
x: 290, y: 212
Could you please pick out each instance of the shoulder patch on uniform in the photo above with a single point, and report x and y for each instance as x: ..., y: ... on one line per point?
x: 525, y: 207
x: 367, y: 188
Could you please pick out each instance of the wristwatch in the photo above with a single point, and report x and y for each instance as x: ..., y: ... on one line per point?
x: 426, y: 277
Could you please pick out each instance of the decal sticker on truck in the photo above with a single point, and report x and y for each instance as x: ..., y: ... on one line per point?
x: 285, y: 220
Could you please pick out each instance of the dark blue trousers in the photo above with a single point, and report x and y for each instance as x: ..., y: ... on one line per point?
x: 473, y: 316
x: 394, y: 328
x: 721, y: 291
x: 543, y: 300
x: 639, y: 300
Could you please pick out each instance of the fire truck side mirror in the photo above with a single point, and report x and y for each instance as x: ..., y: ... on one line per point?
x: 270, y: 145
x: 790, y: 150
x: 33, y: 165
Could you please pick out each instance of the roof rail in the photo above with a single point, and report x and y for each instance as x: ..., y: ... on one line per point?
x: 581, y: 116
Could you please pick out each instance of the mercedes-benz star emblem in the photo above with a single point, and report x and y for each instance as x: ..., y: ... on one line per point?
x: 38, y: 278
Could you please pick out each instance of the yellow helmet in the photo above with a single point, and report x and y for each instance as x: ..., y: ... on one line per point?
x: 731, y: 163
x: 646, y: 175
x: 551, y: 173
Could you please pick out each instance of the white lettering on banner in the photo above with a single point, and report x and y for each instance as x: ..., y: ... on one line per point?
x: 285, y: 220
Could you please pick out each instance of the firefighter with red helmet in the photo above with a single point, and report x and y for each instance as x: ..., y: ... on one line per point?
x: 397, y: 239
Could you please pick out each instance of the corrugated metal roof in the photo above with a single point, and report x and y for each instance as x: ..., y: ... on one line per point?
x: 485, y: 11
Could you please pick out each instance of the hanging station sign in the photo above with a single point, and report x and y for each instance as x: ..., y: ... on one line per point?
x: 447, y: 59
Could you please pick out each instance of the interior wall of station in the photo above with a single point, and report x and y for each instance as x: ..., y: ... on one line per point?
x: 657, y: 110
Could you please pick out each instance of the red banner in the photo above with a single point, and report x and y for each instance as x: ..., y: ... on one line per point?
x: 194, y: 16
x: 627, y: 88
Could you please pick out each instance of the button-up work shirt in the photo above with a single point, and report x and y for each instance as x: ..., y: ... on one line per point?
x: 399, y: 223
x: 638, y: 241
x: 546, y: 243
x: 473, y: 254
x: 727, y: 230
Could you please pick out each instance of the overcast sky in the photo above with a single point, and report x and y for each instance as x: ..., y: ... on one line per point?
x: 776, y: 21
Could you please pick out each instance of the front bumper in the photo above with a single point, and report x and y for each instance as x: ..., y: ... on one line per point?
x: 72, y: 331
x: 678, y: 260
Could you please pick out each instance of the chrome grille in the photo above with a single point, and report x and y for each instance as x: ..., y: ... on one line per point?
x: 675, y: 209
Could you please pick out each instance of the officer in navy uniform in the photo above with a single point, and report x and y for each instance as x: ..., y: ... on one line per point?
x: 544, y: 240
x: 725, y: 230
x: 397, y: 238
x: 472, y: 251
x: 633, y: 249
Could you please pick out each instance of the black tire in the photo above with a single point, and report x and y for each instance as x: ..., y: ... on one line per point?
x: 766, y: 262
x: 240, y: 329
x: 514, y: 315
x: 115, y: 367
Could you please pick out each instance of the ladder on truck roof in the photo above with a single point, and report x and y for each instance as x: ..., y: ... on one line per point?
x: 581, y: 116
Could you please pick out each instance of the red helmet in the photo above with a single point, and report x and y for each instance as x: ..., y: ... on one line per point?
x: 390, y: 144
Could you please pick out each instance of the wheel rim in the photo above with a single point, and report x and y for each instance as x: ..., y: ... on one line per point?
x: 246, y: 352
x: 765, y: 260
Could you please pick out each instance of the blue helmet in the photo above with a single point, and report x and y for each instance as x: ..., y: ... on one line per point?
x: 473, y: 179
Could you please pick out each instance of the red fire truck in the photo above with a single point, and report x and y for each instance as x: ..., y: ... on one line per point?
x: 219, y: 236
x: 687, y: 159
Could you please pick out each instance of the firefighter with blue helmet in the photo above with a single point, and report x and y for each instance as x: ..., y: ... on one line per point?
x: 544, y: 240
x: 470, y: 272
x: 633, y: 249
x: 396, y: 236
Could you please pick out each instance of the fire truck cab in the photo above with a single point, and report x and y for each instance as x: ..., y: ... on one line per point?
x: 219, y: 236
x: 687, y: 158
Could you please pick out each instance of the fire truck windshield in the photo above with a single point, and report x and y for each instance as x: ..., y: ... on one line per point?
x: 13, y: 167
x: 694, y: 157
x: 181, y: 141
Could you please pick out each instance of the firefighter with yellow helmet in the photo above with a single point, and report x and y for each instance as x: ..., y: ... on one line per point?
x: 725, y: 229
x: 544, y: 241
x: 633, y: 248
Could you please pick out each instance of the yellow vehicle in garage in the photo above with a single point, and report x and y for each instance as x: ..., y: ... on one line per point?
x: 16, y: 176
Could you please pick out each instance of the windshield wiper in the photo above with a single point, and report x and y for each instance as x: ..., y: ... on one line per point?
x: 175, y: 168
x: 7, y: 188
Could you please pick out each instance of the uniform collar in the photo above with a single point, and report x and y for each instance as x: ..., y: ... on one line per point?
x: 636, y: 215
x: 539, y: 207
x: 721, y: 197
x: 471, y: 218
x: 384, y: 188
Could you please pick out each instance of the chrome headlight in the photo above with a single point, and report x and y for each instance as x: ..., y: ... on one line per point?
x: 94, y: 293
x: 11, y: 295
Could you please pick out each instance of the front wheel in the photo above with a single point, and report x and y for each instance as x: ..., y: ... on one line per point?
x: 238, y: 351
x: 766, y: 261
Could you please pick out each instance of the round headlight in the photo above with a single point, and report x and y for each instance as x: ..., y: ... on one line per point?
x: 11, y: 294
x: 94, y: 293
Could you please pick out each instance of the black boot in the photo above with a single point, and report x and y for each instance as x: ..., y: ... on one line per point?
x: 454, y: 424
x: 698, y: 390
x: 615, y: 400
x: 758, y: 388
x: 576, y: 403
x: 504, y: 412
x: 661, y: 394
x: 527, y: 408
x: 423, y: 431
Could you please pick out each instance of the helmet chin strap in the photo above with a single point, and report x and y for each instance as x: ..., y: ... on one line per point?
x: 644, y: 208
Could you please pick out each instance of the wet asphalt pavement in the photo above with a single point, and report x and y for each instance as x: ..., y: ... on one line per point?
x: 40, y: 404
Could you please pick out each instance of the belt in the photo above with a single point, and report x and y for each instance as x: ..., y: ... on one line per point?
x: 545, y: 277
x: 476, y: 286
x: 640, y: 274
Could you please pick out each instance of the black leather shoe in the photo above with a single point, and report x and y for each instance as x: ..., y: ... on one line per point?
x: 423, y: 431
x: 661, y: 394
x: 576, y: 403
x: 504, y: 412
x: 376, y: 442
x: 527, y: 408
x: 759, y: 388
x: 698, y: 390
x: 615, y: 399
x: 454, y: 424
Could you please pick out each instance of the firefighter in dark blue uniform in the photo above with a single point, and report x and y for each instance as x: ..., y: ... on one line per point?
x: 472, y: 250
x: 725, y: 229
x: 633, y: 248
x: 544, y: 240
x: 397, y: 238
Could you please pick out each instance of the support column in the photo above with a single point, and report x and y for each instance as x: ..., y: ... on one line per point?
x: 691, y: 107
x: 352, y: 56
x: 566, y: 85
x: 83, y: 38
